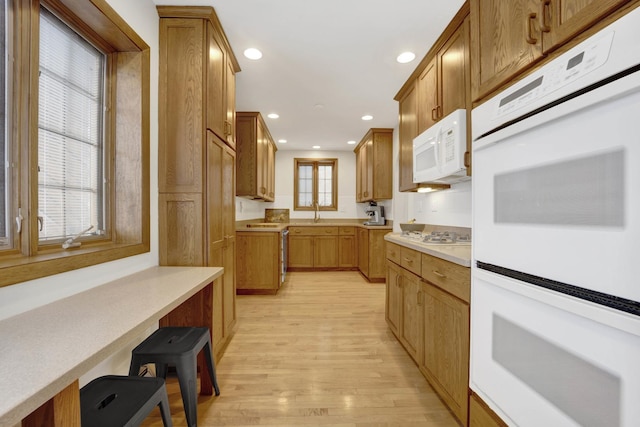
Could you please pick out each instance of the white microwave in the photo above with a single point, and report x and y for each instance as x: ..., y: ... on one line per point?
x: 438, y: 152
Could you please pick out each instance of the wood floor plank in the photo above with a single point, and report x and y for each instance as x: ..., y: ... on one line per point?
x: 318, y: 353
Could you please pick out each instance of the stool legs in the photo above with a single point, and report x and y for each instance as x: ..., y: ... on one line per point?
x: 208, y: 356
x: 187, y: 371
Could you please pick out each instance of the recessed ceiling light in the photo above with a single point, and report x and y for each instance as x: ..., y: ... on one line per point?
x: 367, y: 117
x: 316, y: 147
x: 351, y: 142
x: 405, y: 57
x: 253, y: 53
x: 282, y: 141
x: 273, y: 116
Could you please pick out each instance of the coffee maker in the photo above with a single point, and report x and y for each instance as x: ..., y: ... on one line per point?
x: 376, y: 214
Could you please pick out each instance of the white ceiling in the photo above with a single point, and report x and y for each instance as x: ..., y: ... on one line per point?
x: 326, y: 63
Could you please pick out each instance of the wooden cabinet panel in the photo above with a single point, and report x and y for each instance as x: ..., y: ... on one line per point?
x: 181, y: 141
x: 393, y: 300
x: 480, y: 415
x: 445, y: 360
x: 180, y: 225
x: 561, y: 20
x: 325, y: 252
x: 412, y: 313
x: 508, y: 37
x: 300, y: 251
x: 258, y: 261
x: 393, y: 252
x: 196, y: 164
x: 256, y: 157
x: 451, y: 277
x: 410, y: 260
x: 374, y: 166
x: 363, y: 251
x: 408, y: 130
x: 454, y: 72
x: 428, y: 97
x: 347, y: 251
x: 504, y: 37
x: 230, y: 105
x: 216, y: 98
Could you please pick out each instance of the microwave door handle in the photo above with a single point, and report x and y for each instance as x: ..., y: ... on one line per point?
x: 437, y: 148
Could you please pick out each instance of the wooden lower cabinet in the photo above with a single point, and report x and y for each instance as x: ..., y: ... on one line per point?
x: 445, y: 353
x: 325, y: 252
x: 371, y: 254
x: 427, y: 309
x: 258, y: 262
x: 347, y: 248
x: 324, y: 247
x: 300, y: 251
x: 480, y: 415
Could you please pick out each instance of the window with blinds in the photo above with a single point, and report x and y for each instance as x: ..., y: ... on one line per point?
x: 316, y: 181
x: 71, y: 195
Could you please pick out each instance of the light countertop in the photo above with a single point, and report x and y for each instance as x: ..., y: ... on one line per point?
x: 457, y: 253
x: 44, y: 350
x: 277, y: 227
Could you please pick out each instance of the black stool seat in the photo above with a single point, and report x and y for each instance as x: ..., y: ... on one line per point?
x: 178, y: 347
x: 114, y: 401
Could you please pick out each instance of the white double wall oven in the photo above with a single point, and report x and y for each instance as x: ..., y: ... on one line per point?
x: 555, y: 337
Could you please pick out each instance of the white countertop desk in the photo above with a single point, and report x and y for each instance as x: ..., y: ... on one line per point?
x: 44, y: 351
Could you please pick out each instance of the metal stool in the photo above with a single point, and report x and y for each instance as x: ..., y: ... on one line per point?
x: 114, y: 401
x: 179, y: 347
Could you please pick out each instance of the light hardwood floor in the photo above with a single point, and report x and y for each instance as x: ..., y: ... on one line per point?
x: 318, y: 353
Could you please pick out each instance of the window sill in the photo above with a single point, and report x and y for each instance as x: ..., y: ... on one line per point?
x: 17, y: 269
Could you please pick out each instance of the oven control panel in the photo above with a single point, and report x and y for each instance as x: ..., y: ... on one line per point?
x: 562, y: 72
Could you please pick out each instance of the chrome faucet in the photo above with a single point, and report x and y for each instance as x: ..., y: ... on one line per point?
x: 316, y: 212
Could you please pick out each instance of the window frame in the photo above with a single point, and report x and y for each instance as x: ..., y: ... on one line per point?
x: 297, y: 162
x: 127, y: 123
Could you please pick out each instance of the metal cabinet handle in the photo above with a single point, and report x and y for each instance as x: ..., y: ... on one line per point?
x: 531, y: 18
x: 419, y: 295
x: 545, y: 10
x: 437, y: 273
x: 434, y: 114
x: 410, y: 261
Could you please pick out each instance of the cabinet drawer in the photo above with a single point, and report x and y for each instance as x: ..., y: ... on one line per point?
x: 393, y: 252
x: 313, y: 231
x: 450, y: 277
x: 347, y: 231
x: 410, y: 260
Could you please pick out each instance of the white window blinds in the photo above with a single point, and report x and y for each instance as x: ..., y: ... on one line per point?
x: 70, y: 132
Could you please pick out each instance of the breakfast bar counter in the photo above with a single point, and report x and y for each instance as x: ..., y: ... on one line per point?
x: 44, y: 351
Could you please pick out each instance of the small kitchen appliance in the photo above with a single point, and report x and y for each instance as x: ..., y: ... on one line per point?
x: 376, y: 215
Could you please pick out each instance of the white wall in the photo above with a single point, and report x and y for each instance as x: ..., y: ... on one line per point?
x: 450, y: 207
x: 347, y: 206
x: 141, y: 15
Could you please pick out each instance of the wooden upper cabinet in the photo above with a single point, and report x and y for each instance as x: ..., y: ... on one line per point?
x: 256, y: 157
x: 440, y: 85
x: 561, y: 20
x: 216, y: 99
x: 428, y: 97
x: 230, y: 105
x: 408, y: 129
x: 509, y: 36
x: 374, y: 166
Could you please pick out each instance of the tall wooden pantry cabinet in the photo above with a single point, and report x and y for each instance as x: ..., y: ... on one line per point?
x: 196, y: 156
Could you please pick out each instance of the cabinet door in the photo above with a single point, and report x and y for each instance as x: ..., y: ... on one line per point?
x: 408, y: 128
x: 325, y: 251
x: 445, y: 359
x: 271, y: 171
x: 230, y: 121
x: 216, y: 113
x: 453, y: 63
x: 363, y: 251
x: 505, y: 39
x: 429, y: 110
x: 393, y: 300
x: 300, y: 251
x: 261, y: 159
x: 411, y: 313
x: 561, y: 20
x: 258, y: 261
x: 347, y: 251
x: 228, y: 214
